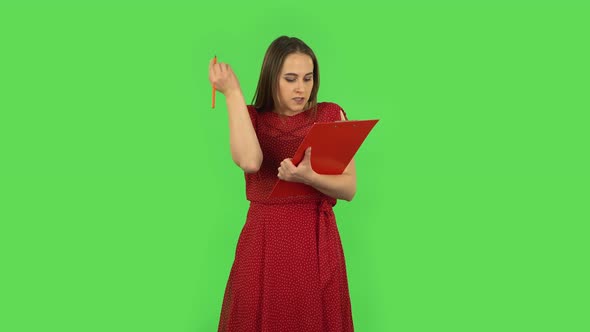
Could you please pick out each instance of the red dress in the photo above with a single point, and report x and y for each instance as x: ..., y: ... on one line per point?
x: 289, y: 273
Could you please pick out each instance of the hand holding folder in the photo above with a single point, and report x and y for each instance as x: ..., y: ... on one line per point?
x: 334, y: 144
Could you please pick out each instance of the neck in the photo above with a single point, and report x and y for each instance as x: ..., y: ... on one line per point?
x: 287, y: 113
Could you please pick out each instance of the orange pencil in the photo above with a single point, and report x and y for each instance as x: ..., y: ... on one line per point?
x: 213, y: 102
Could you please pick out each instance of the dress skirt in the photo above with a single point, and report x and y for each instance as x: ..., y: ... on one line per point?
x: 289, y: 273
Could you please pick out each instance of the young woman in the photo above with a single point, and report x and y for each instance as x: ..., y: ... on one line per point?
x: 289, y: 273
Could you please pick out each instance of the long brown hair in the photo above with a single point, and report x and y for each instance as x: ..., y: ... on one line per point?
x: 266, y: 94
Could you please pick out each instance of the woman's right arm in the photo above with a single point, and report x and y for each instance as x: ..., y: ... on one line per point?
x: 245, y: 149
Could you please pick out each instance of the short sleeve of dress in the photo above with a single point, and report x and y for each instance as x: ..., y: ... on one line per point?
x: 253, y: 115
x: 345, y: 116
x: 332, y: 111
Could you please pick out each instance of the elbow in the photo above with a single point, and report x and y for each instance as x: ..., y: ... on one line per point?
x: 350, y: 191
x: 249, y: 163
x: 350, y: 195
x: 249, y: 167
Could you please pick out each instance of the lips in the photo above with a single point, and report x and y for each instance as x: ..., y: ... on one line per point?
x: 299, y: 99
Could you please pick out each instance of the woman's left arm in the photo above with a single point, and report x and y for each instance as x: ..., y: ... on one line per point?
x: 341, y: 186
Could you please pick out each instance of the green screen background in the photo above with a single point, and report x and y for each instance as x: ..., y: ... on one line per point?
x: 121, y: 207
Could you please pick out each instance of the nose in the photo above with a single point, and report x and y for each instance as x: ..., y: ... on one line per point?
x: 299, y: 87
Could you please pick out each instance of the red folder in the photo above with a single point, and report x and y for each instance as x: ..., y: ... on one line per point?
x: 333, y: 144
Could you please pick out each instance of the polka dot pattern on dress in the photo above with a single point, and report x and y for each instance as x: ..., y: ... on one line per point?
x: 289, y: 272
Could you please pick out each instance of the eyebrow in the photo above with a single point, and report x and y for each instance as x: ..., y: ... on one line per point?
x: 293, y: 74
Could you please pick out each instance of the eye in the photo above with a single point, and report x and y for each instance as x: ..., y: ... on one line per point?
x: 289, y: 79
x: 307, y: 79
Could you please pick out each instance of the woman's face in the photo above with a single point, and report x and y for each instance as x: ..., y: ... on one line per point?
x: 295, y: 83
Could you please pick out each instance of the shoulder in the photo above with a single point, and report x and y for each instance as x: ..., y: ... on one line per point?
x: 251, y: 108
x: 253, y: 112
x: 327, y: 106
x: 330, y: 111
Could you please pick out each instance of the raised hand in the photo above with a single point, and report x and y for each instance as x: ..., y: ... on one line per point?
x: 223, y: 78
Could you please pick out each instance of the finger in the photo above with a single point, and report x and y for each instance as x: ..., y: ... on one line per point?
x: 211, y: 68
x: 289, y: 168
x: 215, y: 70
x: 307, y: 155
